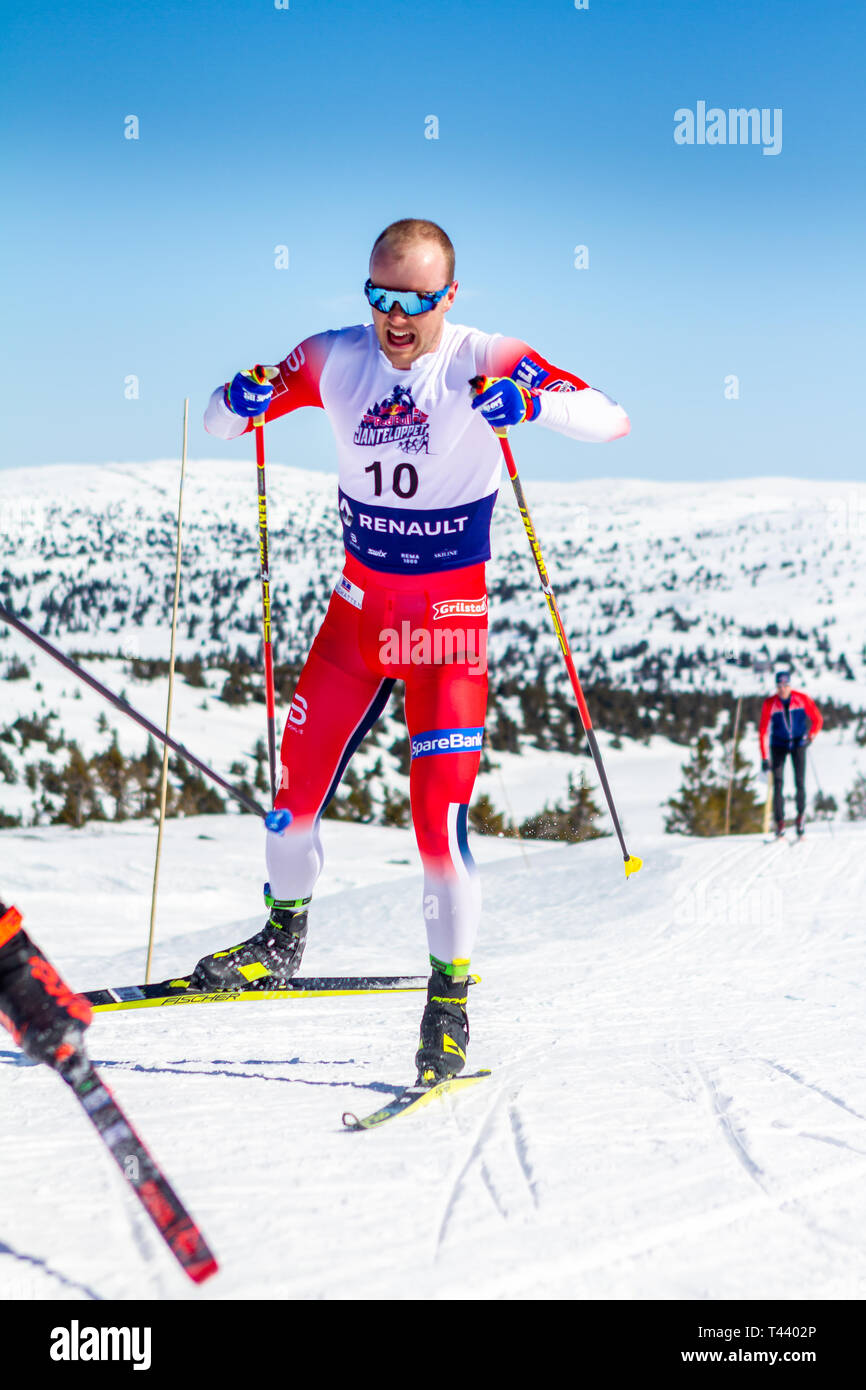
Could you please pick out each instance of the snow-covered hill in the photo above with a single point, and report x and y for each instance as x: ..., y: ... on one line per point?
x: 683, y: 583
x: 677, y: 1107
x: 662, y: 587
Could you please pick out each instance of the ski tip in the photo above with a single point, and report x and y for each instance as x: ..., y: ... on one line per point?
x: 351, y: 1121
x: 632, y: 864
x: 199, y: 1272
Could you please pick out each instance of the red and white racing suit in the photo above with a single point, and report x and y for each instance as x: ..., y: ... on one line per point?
x: 419, y: 472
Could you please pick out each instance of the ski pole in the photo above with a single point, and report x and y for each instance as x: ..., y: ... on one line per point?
x: 729, y: 797
x: 631, y: 861
x: 261, y: 375
x: 274, y: 820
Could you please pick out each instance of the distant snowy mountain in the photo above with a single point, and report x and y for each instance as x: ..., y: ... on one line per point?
x: 663, y: 587
x: 657, y: 581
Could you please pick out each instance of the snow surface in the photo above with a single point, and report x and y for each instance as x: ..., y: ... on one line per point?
x: 678, y: 1105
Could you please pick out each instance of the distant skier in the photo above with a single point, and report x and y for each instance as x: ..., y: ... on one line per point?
x: 44, y: 1016
x: 790, y: 720
x: 417, y: 486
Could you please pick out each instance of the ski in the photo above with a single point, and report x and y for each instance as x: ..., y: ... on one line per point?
x: 412, y: 1098
x: 179, y: 992
x: 149, y: 1183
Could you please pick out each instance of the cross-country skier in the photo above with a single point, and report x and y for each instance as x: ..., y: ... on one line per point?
x: 44, y: 1016
x: 790, y: 722
x: 419, y: 469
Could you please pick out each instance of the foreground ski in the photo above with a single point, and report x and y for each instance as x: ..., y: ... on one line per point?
x: 412, y: 1098
x: 151, y: 1187
x: 179, y: 992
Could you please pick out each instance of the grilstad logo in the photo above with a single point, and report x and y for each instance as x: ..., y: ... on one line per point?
x: 460, y: 607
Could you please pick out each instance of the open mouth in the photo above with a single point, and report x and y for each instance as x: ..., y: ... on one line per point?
x: 399, y: 340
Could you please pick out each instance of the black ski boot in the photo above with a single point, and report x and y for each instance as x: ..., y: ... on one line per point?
x: 267, y: 960
x: 780, y: 830
x: 801, y: 824
x: 444, y: 1029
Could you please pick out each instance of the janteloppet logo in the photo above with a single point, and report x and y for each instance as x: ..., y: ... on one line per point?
x: 460, y: 607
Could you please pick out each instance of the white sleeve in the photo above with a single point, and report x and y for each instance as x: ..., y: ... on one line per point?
x: 589, y: 415
x: 221, y: 421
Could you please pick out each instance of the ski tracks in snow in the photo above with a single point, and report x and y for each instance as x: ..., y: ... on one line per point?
x: 498, y: 1156
x: 499, y: 1159
x: 733, y: 1134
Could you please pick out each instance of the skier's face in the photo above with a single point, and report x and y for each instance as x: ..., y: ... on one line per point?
x: 421, y: 267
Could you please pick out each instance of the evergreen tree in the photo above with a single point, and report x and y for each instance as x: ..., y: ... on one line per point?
x: 572, y: 823
x: 112, y: 772
x: 144, y: 781
x: 486, y: 820
x: 747, y: 810
x: 855, y: 799
x: 701, y: 806
x: 503, y: 733
x: 260, y: 754
x: 195, y: 797
x: 400, y: 750
x: 396, y: 809
x: 825, y: 807
x: 80, y: 796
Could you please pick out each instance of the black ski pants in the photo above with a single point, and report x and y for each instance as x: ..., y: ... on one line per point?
x: 778, y: 754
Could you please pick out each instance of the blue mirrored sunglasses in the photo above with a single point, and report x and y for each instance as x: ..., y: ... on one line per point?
x: 409, y: 300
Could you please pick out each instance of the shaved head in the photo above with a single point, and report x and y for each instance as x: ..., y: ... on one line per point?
x: 400, y: 237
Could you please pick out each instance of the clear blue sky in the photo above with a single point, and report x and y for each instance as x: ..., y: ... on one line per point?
x: 305, y: 127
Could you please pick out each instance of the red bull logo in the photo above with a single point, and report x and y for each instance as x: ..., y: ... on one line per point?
x: 395, y: 420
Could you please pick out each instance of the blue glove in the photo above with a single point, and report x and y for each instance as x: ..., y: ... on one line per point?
x: 504, y: 402
x: 247, y: 397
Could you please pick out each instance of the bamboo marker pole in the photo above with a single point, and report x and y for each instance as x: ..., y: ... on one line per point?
x: 768, y: 804
x: 731, y: 773
x: 163, y: 790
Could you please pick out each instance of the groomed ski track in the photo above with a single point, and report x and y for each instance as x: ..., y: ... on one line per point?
x: 678, y: 1105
